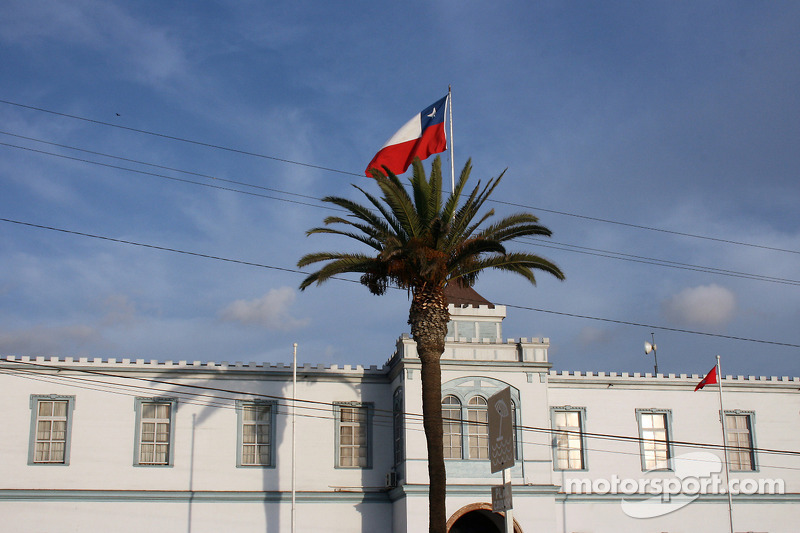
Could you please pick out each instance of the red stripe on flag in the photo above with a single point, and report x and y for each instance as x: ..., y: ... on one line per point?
x: 710, y: 379
x: 398, y: 157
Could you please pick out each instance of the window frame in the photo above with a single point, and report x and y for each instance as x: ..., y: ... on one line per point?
x: 667, y: 414
x: 34, y: 407
x: 751, y: 421
x: 139, y: 402
x: 241, y: 406
x: 398, y: 428
x: 467, y: 387
x: 369, y: 409
x: 463, y: 330
x: 581, y: 411
x: 477, y: 430
x: 459, y: 425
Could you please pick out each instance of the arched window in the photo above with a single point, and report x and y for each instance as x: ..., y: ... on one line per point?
x: 451, y: 426
x: 478, y: 423
x: 465, y: 413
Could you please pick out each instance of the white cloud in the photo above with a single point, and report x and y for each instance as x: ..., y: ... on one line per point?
x: 118, y: 310
x: 145, y: 52
x: 590, y: 336
x: 708, y: 305
x: 270, y: 311
x: 43, y: 340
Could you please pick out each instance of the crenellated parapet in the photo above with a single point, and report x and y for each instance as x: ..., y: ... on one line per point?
x: 680, y: 381
x: 153, y: 365
x: 522, y: 350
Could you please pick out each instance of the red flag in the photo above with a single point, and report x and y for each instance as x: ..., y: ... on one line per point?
x: 421, y: 136
x: 710, y: 379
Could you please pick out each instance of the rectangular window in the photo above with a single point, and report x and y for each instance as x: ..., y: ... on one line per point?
x: 155, y: 434
x: 50, y: 421
x: 568, y: 439
x: 155, y: 431
x: 654, y: 439
x: 739, y: 429
x: 465, y: 331
x: 487, y: 330
x: 256, y: 422
x: 451, y: 427
x: 478, y: 428
x: 398, y: 431
x: 353, y: 435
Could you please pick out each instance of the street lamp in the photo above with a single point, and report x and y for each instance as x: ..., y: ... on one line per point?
x: 651, y: 347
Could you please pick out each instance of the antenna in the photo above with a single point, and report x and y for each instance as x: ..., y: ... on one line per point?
x: 651, y: 347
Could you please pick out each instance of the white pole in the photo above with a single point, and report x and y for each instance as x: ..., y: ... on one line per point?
x: 509, y: 512
x: 294, y: 442
x: 452, y: 151
x: 725, y: 447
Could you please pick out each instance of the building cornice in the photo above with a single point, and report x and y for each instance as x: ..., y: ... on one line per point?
x: 221, y: 370
x: 637, y: 380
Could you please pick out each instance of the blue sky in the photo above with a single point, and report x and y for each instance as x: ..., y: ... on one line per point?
x: 610, y: 117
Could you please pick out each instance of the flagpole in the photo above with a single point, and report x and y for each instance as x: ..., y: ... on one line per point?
x: 725, y: 447
x: 452, y: 153
x: 294, y: 442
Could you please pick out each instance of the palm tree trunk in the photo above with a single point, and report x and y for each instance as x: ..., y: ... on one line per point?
x: 428, y: 317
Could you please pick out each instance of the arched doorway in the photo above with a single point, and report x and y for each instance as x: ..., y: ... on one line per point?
x: 478, y: 518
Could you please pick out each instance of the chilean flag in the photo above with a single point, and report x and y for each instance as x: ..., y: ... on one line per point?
x: 710, y: 378
x: 421, y: 136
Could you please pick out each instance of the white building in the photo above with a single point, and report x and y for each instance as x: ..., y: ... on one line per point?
x: 134, y: 445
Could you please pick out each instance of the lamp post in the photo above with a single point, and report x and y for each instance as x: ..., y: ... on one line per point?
x: 651, y: 347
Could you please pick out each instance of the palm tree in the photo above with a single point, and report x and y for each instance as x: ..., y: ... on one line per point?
x: 421, y: 244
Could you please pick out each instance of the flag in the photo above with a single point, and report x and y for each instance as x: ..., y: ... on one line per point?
x: 710, y: 379
x: 421, y: 136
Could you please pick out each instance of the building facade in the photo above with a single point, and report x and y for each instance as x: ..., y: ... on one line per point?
x: 134, y: 445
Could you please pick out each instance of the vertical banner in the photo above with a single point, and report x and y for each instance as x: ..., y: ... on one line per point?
x: 501, y: 431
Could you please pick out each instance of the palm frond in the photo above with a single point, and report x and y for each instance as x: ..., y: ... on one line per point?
x: 338, y: 264
x: 421, y: 188
x: 377, y: 231
x: 400, y: 203
x: 388, y: 216
x: 514, y: 231
x: 420, y: 242
x: 517, y: 262
x: 366, y: 239
x: 455, y: 196
x: 357, y: 210
x: 473, y: 249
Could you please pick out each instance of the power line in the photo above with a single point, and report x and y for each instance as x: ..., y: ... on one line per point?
x: 650, y: 228
x: 553, y: 245
x: 153, y: 165
x: 137, y: 171
x: 656, y: 262
x: 181, y: 139
x: 289, y: 161
x: 383, y: 413
x: 156, y: 247
x: 295, y: 271
x: 652, y: 326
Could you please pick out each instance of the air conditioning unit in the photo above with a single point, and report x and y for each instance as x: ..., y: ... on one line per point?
x: 391, y: 480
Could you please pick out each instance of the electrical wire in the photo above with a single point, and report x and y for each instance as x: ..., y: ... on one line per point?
x: 653, y: 261
x: 380, y: 413
x: 295, y: 271
x: 137, y: 171
x: 534, y: 242
x: 289, y: 161
x: 154, y: 165
x: 180, y: 139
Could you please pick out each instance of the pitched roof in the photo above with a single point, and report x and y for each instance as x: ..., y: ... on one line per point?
x: 464, y: 296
